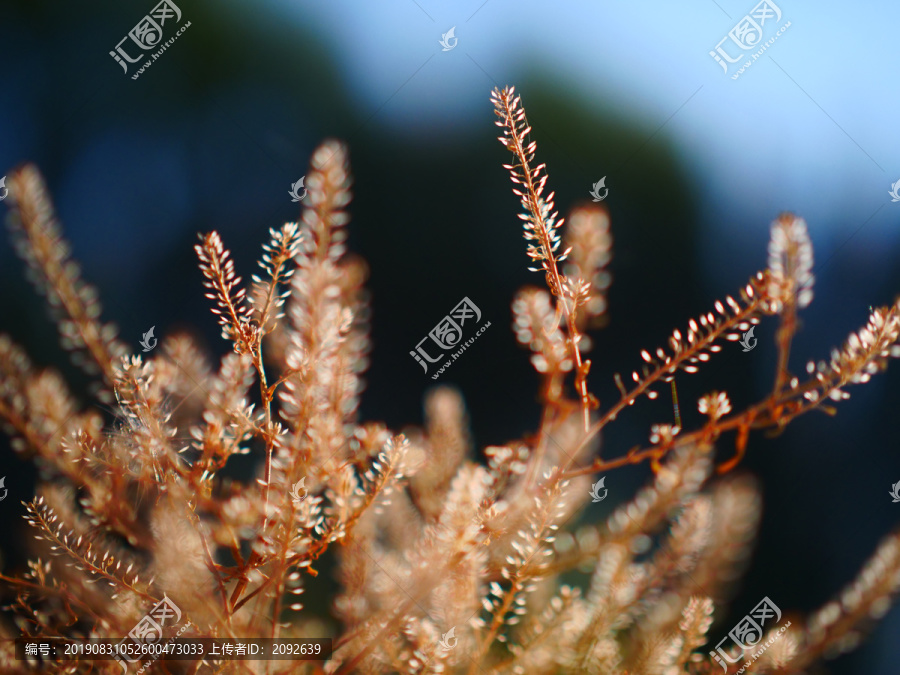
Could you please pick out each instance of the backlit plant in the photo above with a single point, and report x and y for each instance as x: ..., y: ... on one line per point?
x: 445, y: 564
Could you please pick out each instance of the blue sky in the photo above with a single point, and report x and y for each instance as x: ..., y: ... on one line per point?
x: 810, y: 127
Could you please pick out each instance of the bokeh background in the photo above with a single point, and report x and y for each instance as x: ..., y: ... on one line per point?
x: 213, y: 134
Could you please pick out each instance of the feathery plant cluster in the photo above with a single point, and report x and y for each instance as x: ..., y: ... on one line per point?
x: 444, y: 564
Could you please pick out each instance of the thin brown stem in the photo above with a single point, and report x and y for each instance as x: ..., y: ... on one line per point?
x: 785, y: 337
x: 661, y: 371
x: 554, y: 278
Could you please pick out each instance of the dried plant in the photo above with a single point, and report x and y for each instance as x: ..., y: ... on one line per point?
x: 445, y: 564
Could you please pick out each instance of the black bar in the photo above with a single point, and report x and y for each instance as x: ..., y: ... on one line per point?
x: 174, y: 649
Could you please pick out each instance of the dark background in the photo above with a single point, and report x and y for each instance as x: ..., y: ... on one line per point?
x: 214, y: 133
